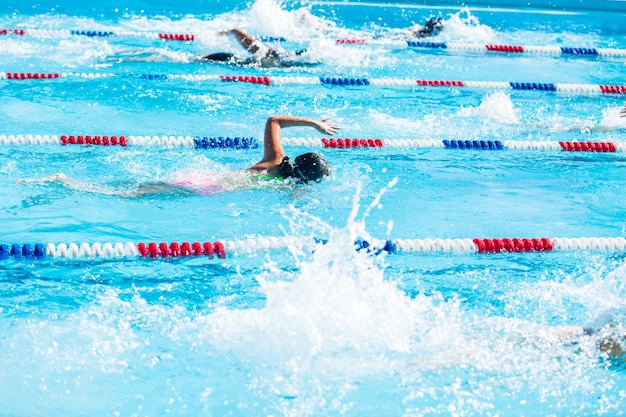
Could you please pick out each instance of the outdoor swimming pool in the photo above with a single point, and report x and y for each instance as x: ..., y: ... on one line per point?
x: 311, y: 329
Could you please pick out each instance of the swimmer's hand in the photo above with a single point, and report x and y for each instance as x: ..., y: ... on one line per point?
x: 623, y: 112
x: 324, y: 127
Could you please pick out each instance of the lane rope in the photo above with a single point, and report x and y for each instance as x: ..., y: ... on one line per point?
x: 196, y: 142
x: 336, y: 81
x: 409, y: 43
x: 199, y: 142
x: 66, y: 33
x: 563, y: 51
x: 221, y: 249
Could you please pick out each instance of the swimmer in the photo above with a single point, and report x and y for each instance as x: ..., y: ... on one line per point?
x: 261, y: 54
x: 432, y: 27
x: 305, y: 168
x: 609, y: 339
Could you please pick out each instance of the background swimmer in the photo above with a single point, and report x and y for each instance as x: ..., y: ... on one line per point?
x: 432, y: 27
x: 608, y: 336
x: 261, y: 54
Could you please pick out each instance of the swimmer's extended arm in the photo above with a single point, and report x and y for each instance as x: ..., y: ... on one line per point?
x: 244, y: 39
x: 273, y: 152
x: 411, y: 30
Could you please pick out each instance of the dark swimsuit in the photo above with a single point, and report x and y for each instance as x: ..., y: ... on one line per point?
x: 273, y: 56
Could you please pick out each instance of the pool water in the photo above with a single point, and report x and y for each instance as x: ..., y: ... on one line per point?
x: 326, y: 330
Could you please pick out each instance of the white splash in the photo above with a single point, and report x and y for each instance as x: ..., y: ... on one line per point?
x: 464, y: 27
x: 496, y: 106
x: 612, y: 118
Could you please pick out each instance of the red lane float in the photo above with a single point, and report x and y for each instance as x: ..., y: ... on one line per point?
x: 350, y: 41
x: 588, y: 146
x: 440, y: 83
x: 177, y: 36
x: 30, y: 75
x: 513, y: 245
x: 12, y: 31
x: 246, y: 79
x: 613, y: 89
x: 183, y: 250
x: 505, y: 48
x: 94, y: 140
x: 352, y: 143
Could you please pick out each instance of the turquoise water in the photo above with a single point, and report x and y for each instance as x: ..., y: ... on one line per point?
x: 296, y: 332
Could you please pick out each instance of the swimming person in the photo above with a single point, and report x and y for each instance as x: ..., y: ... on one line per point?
x: 274, y: 165
x: 608, y: 336
x: 304, y: 168
x: 261, y: 53
x: 432, y: 27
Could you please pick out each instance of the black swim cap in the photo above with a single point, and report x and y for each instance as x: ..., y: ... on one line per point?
x: 433, y: 26
x: 310, y: 167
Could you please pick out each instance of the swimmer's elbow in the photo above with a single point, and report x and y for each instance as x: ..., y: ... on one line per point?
x: 280, y: 119
x: 275, y: 120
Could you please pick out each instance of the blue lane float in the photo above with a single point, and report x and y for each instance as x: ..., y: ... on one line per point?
x: 225, y: 143
x: 579, y: 51
x: 272, y: 39
x: 344, y: 81
x: 432, y: 45
x: 151, y: 76
x: 92, y: 33
x: 473, y: 144
x: 26, y: 251
x: 533, y: 86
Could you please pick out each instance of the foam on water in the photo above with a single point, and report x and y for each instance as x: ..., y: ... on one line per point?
x: 465, y: 27
x: 598, y: 290
x: 495, y: 111
x: 497, y: 107
x: 18, y: 48
x: 612, y: 119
